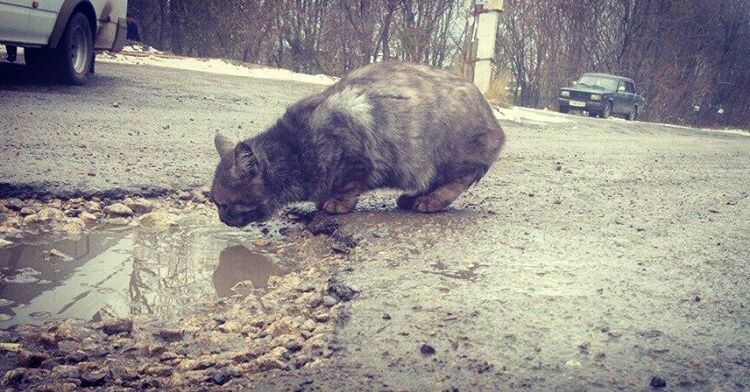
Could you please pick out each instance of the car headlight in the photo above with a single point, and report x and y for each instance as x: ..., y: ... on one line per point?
x: 565, y: 94
x: 596, y: 97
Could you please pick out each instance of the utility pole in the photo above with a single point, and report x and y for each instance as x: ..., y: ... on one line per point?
x: 486, y: 16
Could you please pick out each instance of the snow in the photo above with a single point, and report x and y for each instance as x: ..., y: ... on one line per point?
x: 540, y: 116
x: 143, y: 55
x: 526, y: 115
x: 135, y: 48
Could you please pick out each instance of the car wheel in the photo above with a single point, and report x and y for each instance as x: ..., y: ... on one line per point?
x: 607, y: 110
x: 74, y: 56
x: 563, y: 110
x: 633, y: 115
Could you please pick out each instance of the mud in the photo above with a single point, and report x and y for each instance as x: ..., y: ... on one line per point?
x: 137, y: 271
x: 179, y: 303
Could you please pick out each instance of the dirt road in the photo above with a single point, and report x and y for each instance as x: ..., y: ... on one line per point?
x: 134, y: 129
x: 595, y: 255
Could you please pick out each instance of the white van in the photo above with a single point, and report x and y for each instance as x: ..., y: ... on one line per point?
x: 60, y: 36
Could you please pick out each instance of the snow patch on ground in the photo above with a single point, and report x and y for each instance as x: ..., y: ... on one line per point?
x: 135, y: 48
x: 215, y: 66
x: 541, y: 116
x: 739, y: 132
x: 527, y: 115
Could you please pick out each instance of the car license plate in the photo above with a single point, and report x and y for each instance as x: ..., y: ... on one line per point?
x: 578, y: 104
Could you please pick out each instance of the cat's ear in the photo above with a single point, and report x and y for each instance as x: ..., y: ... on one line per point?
x: 245, y: 163
x: 224, y: 146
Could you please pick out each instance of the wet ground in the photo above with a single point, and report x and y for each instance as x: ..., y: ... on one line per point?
x: 595, y: 255
x: 119, y: 273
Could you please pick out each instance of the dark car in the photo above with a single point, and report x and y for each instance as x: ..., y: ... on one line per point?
x: 602, y: 95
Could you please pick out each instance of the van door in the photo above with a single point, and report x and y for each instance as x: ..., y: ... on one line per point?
x: 42, y: 20
x: 14, y: 20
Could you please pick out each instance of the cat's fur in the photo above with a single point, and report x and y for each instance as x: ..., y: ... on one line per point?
x: 387, y: 125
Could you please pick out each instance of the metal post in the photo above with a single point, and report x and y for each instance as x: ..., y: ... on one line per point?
x: 487, y: 14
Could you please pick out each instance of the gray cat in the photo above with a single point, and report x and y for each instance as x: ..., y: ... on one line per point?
x: 388, y: 125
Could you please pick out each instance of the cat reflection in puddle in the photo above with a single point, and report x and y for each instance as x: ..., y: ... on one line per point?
x: 239, y: 264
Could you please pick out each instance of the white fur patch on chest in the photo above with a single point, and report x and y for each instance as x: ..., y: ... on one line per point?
x: 350, y: 102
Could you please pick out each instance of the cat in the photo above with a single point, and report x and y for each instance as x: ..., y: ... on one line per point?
x: 386, y: 125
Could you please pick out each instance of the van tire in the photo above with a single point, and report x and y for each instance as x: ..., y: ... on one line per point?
x: 73, y: 59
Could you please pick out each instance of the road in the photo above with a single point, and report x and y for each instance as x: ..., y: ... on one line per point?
x: 132, y: 129
x: 595, y: 255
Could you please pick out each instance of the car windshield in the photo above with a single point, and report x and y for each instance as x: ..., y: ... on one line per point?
x: 598, y: 81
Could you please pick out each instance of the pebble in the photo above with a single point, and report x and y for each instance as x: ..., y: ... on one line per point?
x: 168, y: 356
x: 14, y: 204
x: 322, y: 317
x: 654, y: 333
x: 329, y: 301
x: 87, y: 217
x: 30, y: 359
x: 315, y: 301
x: 115, y: 326
x: 182, y: 195
x: 13, y: 377
x: 26, y: 211
x: 198, y: 196
x: 426, y: 349
x: 139, y: 205
x: 170, y: 335
x: 658, y: 382
x: 118, y: 221
x: 4, y: 243
x: 119, y: 210
x: 77, y: 356
x: 65, y: 371
x: 326, y: 227
x: 221, y: 377
x: 93, y: 206
x: 73, y: 227
x: 276, y: 359
x: 158, y: 219
x: 94, y: 378
x: 45, y: 215
x: 341, y: 291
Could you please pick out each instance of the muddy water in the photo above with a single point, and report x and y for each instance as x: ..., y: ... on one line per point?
x: 131, y: 272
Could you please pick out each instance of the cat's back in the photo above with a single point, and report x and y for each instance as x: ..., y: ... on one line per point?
x: 421, y: 94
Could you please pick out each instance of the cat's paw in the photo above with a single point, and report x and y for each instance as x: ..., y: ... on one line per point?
x: 429, y: 204
x: 406, y: 201
x: 336, y: 206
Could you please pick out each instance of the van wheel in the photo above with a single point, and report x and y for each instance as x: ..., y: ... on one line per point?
x: 607, y: 110
x: 74, y: 56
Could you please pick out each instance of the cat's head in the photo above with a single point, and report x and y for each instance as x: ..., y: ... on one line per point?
x: 238, y: 189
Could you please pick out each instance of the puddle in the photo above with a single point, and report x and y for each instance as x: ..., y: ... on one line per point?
x: 133, y: 272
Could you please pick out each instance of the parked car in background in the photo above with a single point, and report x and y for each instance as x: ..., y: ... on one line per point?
x: 602, y: 95
x: 60, y: 36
